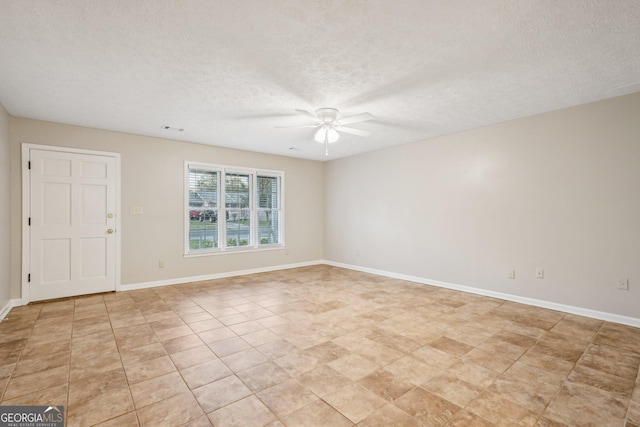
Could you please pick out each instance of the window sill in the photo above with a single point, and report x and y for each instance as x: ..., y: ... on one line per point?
x: 229, y: 251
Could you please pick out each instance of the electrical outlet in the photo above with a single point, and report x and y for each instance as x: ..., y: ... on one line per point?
x: 161, y: 264
x: 623, y: 283
x: 539, y: 273
x: 512, y: 274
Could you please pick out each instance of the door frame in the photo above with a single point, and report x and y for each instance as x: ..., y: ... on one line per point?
x: 26, y: 209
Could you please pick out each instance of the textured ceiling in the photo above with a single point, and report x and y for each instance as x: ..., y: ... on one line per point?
x: 228, y: 72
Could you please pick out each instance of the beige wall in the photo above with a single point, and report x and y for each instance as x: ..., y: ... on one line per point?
x: 558, y: 191
x: 152, y: 178
x: 5, y: 216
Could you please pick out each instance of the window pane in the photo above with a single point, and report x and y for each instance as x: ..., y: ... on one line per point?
x: 268, y: 226
x: 203, y: 209
x: 268, y: 192
x: 238, y: 227
x: 203, y: 188
x: 203, y: 234
x: 237, y: 191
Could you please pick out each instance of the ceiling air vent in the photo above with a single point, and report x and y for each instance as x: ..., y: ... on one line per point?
x: 171, y: 128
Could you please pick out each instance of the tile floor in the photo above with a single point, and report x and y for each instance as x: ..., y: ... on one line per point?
x: 317, y: 346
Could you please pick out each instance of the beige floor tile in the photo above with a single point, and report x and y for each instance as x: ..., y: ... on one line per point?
x: 220, y: 393
x: 286, y: 397
x: 174, y: 411
x: 156, y: 389
x: 560, y: 346
x: 149, y: 369
x: 36, y: 349
x: 502, y: 348
x: 619, y: 336
x: 91, y: 325
x: 130, y: 419
x: 260, y: 337
x: 435, y: 358
x: 277, y: 349
x: 42, y: 363
x: 464, y: 418
x: 88, y: 346
x: 410, y: 369
x: 378, y: 350
x: 579, y: 404
x: 263, y: 376
x: 140, y: 354
x: 389, y: 416
x: 450, y: 387
x: 317, y: 413
x: 229, y: 346
x: 193, y: 356
x: 533, y: 395
x: 205, y: 325
x: 54, y: 396
x: 495, y: 362
x: 233, y: 319
x: 201, y: 316
x: 135, y: 336
x: 202, y: 421
x: 355, y: 402
x: 323, y: 380
x: 353, y: 366
x: 26, y: 384
x: 428, y: 408
x: 396, y: 341
x: 246, y: 327
x: 98, y: 364
x: 245, y: 359
x: 501, y: 411
x: 174, y: 332
x: 472, y: 373
x: 182, y: 343
x: 606, y: 382
x: 296, y: 363
x: 245, y: 412
x: 615, y: 361
x: 205, y: 373
x: 10, y: 351
x: 516, y: 339
x: 98, y: 398
x: 451, y: 346
x: 386, y: 385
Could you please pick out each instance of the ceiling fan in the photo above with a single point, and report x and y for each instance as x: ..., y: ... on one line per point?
x: 329, y: 126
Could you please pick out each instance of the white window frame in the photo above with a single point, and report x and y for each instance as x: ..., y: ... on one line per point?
x: 254, y: 244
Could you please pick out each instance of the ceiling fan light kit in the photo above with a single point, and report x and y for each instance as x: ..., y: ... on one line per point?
x: 328, y: 125
x: 327, y: 132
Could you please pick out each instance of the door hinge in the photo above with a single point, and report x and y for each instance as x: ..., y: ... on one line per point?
x: 29, y: 221
x: 29, y: 277
x: 29, y: 166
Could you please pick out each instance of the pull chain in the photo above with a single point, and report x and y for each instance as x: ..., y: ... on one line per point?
x: 326, y: 144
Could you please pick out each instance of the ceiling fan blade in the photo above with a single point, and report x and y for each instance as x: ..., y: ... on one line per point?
x: 307, y: 113
x: 297, y: 126
x: 352, y: 131
x: 362, y: 117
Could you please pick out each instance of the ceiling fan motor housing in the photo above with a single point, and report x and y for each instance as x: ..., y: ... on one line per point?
x: 327, y: 115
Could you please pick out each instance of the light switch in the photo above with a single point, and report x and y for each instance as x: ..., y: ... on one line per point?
x: 136, y: 210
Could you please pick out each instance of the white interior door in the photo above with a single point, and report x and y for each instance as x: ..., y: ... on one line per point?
x: 72, y: 217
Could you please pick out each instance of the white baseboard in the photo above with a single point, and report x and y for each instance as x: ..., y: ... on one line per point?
x: 16, y: 302
x: 601, y: 315
x: 177, y: 281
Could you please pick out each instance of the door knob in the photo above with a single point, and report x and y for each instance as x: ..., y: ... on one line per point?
x: 110, y: 231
